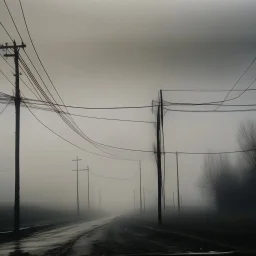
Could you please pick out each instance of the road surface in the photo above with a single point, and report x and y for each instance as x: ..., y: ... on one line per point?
x: 52, y: 242
x: 115, y: 236
x: 132, y: 237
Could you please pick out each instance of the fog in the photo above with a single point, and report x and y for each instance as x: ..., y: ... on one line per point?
x: 121, y: 53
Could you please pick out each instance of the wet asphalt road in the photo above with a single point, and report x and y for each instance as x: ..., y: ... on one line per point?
x: 132, y: 237
x: 49, y: 242
x: 112, y: 236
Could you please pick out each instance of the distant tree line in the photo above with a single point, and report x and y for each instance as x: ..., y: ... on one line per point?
x: 233, y: 186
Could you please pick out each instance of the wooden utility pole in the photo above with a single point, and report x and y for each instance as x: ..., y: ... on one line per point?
x: 99, y: 199
x: 88, y: 187
x: 15, y: 55
x: 77, y: 184
x: 144, y: 200
x: 162, y: 126
x: 134, y: 204
x: 140, y: 191
x: 178, y: 182
x: 159, y: 166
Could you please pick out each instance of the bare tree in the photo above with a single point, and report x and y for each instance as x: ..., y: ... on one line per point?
x: 247, y: 141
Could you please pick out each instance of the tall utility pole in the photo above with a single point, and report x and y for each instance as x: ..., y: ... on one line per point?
x: 173, y: 200
x: 144, y: 200
x: 162, y: 126
x: 88, y: 187
x: 178, y: 182
x: 134, y: 204
x: 77, y: 184
x: 15, y: 55
x: 159, y: 166
x: 140, y: 191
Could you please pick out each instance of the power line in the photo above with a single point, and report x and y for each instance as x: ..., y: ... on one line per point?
x: 6, y: 77
x: 58, y: 111
x: 210, y: 153
x: 72, y: 142
x: 37, y: 52
x: 98, y: 118
x: 79, y: 132
x: 93, y: 142
x: 21, y: 78
x: 205, y: 104
x: 25, y: 66
x: 212, y: 102
x: 210, y: 111
x: 91, y: 108
x: 22, y: 41
x: 168, y: 104
x: 72, y: 121
x: 113, y: 119
x: 167, y: 152
x: 6, y: 30
x: 238, y: 80
x: 204, y: 90
x: 103, y: 108
x: 61, y: 117
x: 5, y: 107
x: 107, y: 177
x: 87, y: 138
x: 13, y: 20
x: 148, y: 151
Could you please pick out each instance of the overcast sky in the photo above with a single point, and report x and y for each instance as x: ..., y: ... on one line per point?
x: 120, y: 53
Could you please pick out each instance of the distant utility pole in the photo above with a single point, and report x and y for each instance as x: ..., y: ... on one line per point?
x: 144, y: 200
x: 15, y: 55
x: 173, y: 199
x: 159, y: 166
x: 77, y: 184
x: 178, y: 182
x: 162, y: 126
x: 134, y: 204
x: 88, y: 187
x: 99, y: 199
x: 140, y: 190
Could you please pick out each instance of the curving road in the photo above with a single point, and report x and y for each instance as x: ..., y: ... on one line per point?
x: 54, y: 241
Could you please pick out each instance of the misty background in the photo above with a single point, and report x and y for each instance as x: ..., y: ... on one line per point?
x: 120, y: 53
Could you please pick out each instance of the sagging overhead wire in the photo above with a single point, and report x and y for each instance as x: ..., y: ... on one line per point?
x: 103, y: 156
x: 71, y: 123
x: 210, y: 111
x: 25, y: 21
x: 58, y: 110
x: 148, y: 151
x: 38, y: 95
x: 5, y: 107
x: 13, y: 22
x: 49, y: 102
x: 166, y: 104
x: 92, y: 117
x: 6, y: 31
x: 204, y: 90
x: 70, y: 117
x: 38, y: 102
x: 238, y: 80
x: 107, y: 177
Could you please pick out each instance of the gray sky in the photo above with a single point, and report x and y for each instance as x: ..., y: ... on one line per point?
x: 120, y: 53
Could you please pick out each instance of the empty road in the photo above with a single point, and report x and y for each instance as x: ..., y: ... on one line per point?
x: 56, y: 241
